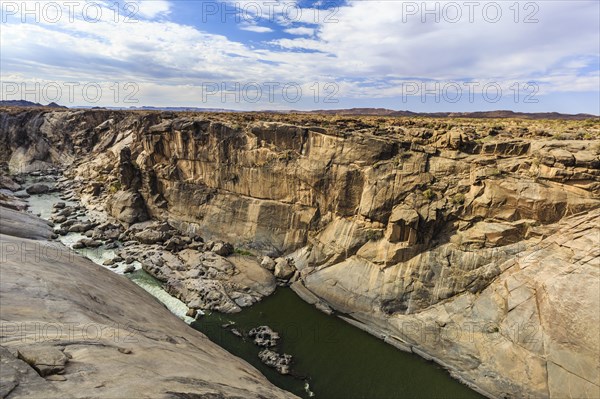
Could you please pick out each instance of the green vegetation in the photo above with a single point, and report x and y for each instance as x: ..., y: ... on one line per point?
x: 559, y: 136
x: 243, y: 252
x: 114, y: 187
x: 374, y: 235
x: 429, y: 194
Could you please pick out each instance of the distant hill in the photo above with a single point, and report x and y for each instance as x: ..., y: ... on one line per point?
x: 172, y: 109
x: 24, y: 103
x: 359, y: 111
x: 482, y: 114
x: 521, y: 115
x: 348, y: 111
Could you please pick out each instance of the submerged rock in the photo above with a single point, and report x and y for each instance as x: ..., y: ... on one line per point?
x: 264, y: 336
x: 280, y: 362
x: 87, y: 243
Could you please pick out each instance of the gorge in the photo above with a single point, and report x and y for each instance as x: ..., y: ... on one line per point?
x: 473, y: 243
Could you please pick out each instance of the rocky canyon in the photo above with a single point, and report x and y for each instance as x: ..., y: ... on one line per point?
x: 474, y: 243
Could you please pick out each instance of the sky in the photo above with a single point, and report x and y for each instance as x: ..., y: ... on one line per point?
x: 423, y: 56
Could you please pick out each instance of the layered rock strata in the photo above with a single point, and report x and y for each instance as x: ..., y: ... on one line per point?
x: 488, y: 226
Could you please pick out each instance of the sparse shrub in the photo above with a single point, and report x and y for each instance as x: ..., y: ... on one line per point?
x: 560, y: 136
x: 458, y: 199
x: 495, y: 130
x: 243, y: 252
x: 374, y: 235
x: 429, y: 194
x: 114, y: 187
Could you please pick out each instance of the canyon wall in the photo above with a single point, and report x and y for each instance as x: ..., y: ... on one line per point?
x: 474, y: 243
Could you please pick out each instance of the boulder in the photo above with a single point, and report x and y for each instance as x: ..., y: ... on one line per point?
x: 87, y: 243
x: 174, y: 244
x: 129, y: 269
x: 283, y: 268
x: 37, y: 188
x: 68, y: 211
x: 223, y: 248
x: 268, y: 263
x: 150, y: 236
x: 128, y: 207
x: 80, y: 227
x: 7, y: 183
x: 58, y: 219
x: 46, y: 360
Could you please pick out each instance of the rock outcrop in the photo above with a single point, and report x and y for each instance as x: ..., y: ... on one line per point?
x: 71, y: 329
x: 397, y: 222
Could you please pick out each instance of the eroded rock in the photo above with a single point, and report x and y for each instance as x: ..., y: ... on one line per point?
x: 46, y: 360
x: 280, y: 362
x: 264, y: 336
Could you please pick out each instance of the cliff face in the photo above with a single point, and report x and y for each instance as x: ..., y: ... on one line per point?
x: 415, y: 227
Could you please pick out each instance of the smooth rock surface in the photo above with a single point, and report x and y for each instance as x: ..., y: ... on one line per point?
x: 60, y: 305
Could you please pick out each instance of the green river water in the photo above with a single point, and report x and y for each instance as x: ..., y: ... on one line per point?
x: 340, y: 361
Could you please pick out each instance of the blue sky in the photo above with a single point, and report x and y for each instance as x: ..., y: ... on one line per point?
x: 301, y: 54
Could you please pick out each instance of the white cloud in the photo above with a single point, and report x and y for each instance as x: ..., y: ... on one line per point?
x: 256, y: 28
x: 300, y: 31
x: 378, y: 38
x: 369, y: 52
x: 151, y: 9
